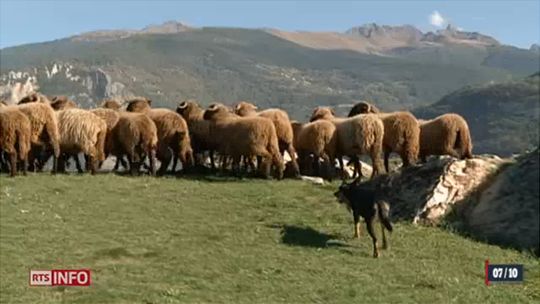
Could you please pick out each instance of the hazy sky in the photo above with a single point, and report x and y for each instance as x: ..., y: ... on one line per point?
x: 511, y: 22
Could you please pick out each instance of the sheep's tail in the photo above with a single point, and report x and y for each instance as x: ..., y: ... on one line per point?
x: 100, y: 144
x: 54, y: 136
x: 273, y: 149
x: 411, y: 146
x: 463, y: 136
x: 23, y: 142
x: 384, y: 210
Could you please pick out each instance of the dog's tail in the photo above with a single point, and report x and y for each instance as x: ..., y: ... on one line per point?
x: 384, y: 212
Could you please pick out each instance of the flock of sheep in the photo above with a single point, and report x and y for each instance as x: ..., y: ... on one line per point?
x: 39, y: 128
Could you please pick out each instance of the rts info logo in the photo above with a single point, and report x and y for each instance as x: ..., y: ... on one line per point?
x: 60, y: 277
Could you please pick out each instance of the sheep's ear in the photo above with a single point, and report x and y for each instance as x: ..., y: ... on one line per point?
x: 255, y: 107
x: 149, y: 101
x: 237, y: 107
x: 332, y: 111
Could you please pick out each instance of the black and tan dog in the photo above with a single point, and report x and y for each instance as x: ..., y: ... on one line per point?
x: 362, y: 201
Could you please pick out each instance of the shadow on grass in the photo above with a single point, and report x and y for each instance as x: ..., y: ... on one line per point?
x: 309, y: 237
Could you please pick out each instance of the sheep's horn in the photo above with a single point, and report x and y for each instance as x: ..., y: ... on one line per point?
x: 182, y: 105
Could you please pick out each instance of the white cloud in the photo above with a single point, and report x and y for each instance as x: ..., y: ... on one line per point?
x: 437, y: 19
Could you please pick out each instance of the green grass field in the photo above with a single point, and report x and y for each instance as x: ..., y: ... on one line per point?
x: 167, y: 240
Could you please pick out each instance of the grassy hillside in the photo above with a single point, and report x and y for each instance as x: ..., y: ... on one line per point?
x: 239, y: 64
x: 171, y: 240
x: 503, y: 117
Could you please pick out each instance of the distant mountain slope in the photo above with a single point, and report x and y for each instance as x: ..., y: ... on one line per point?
x: 229, y: 64
x: 503, y: 117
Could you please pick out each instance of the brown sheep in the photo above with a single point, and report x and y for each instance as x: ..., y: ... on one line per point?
x: 34, y: 97
x: 361, y: 134
x: 247, y: 137
x: 173, y: 133
x: 135, y: 135
x: 282, y: 123
x: 111, y: 104
x: 199, y: 129
x: 82, y: 131
x: 317, y: 138
x: 401, y: 133
x: 443, y: 135
x: 62, y: 103
x: 44, y: 128
x: 15, y: 137
x: 111, y: 118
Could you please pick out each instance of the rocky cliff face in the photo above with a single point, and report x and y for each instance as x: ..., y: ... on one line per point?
x: 87, y: 85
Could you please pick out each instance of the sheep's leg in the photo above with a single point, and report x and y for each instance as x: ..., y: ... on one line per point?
x: 212, y: 163
x: 164, y: 156
x: 328, y: 167
x: 244, y: 163
x: 357, y: 168
x: 92, y: 162
x: 292, y: 152
x: 13, y: 163
x: 236, y: 165
x: 353, y: 160
x: 24, y: 160
x: 174, y: 164
x: 448, y: 148
x: 316, y: 165
x: 370, y: 228
x: 133, y: 159
x: 223, y: 163
x: 61, y: 167
x: 251, y: 164
x: 386, y: 158
x: 342, y: 167
x: 152, y: 160
x: 376, y: 161
x: 78, y: 162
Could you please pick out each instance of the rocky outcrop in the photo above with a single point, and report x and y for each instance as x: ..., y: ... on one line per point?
x: 507, y: 212
x: 406, y: 33
x: 427, y: 193
x: 492, y: 199
x: 452, y: 35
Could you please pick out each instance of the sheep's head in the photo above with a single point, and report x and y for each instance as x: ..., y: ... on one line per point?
x: 296, y: 126
x: 363, y: 107
x: 187, y: 108
x: 62, y: 103
x: 244, y: 108
x: 216, y: 111
x: 111, y: 104
x: 34, y: 97
x: 140, y: 104
x: 322, y: 113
